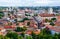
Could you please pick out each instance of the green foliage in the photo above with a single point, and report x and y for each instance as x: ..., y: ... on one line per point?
x: 53, y: 19
x: 29, y: 37
x: 3, y: 37
x: 34, y: 36
x: 46, y: 34
x: 22, y: 34
x: 43, y: 35
x: 8, y: 14
x: 51, y: 23
x: 45, y: 31
x: 46, y: 20
x: 1, y: 15
x: 20, y: 37
x: 15, y: 20
x: 24, y: 19
x: 12, y: 35
x: 27, y: 14
x: 20, y: 29
x: 50, y: 20
x: 57, y: 14
x: 35, y: 14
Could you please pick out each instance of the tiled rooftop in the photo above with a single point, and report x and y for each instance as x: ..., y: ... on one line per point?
x: 46, y: 15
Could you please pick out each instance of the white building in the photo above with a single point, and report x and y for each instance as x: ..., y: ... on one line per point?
x: 50, y: 11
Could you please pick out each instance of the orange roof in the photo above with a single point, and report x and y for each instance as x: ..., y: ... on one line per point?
x: 21, y: 24
x: 58, y: 17
x: 57, y: 23
x: 29, y: 32
x: 53, y: 28
x: 9, y: 26
x: 46, y: 15
x: 36, y: 31
x: 1, y: 33
x: 35, y: 26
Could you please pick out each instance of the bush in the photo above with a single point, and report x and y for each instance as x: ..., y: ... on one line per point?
x: 50, y: 21
x: 44, y: 34
x: 24, y: 19
x: 20, y: 29
x: 52, y: 24
x: 53, y: 19
x: 1, y: 15
x: 12, y: 35
x: 29, y: 37
x: 46, y: 20
x: 35, y: 14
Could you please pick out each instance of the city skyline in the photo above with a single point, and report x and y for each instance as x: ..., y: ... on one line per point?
x: 29, y: 2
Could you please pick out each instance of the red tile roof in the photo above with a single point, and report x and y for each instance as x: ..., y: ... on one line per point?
x: 57, y: 23
x: 37, y: 31
x: 53, y: 28
x: 29, y: 32
x: 46, y: 15
x: 58, y: 17
x: 7, y: 27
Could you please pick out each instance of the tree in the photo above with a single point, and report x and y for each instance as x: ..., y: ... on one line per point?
x: 53, y: 19
x: 20, y: 29
x: 45, y: 31
x: 12, y: 35
x: 6, y: 37
x: 22, y: 34
x: 34, y: 36
x: 20, y: 37
x: 50, y: 21
x: 35, y: 14
x: 15, y: 20
x: 56, y: 36
x: 46, y: 20
x: 1, y: 15
x: 52, y: 24
x: 8, y: 14
x: 29, y: 37
x: 24, y: 19
x: 3, y: 37
x: 24, y: 28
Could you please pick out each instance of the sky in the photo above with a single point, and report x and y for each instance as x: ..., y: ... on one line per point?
x: 29, y: 2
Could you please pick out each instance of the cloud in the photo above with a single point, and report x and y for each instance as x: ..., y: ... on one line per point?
x: 29, y: 2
